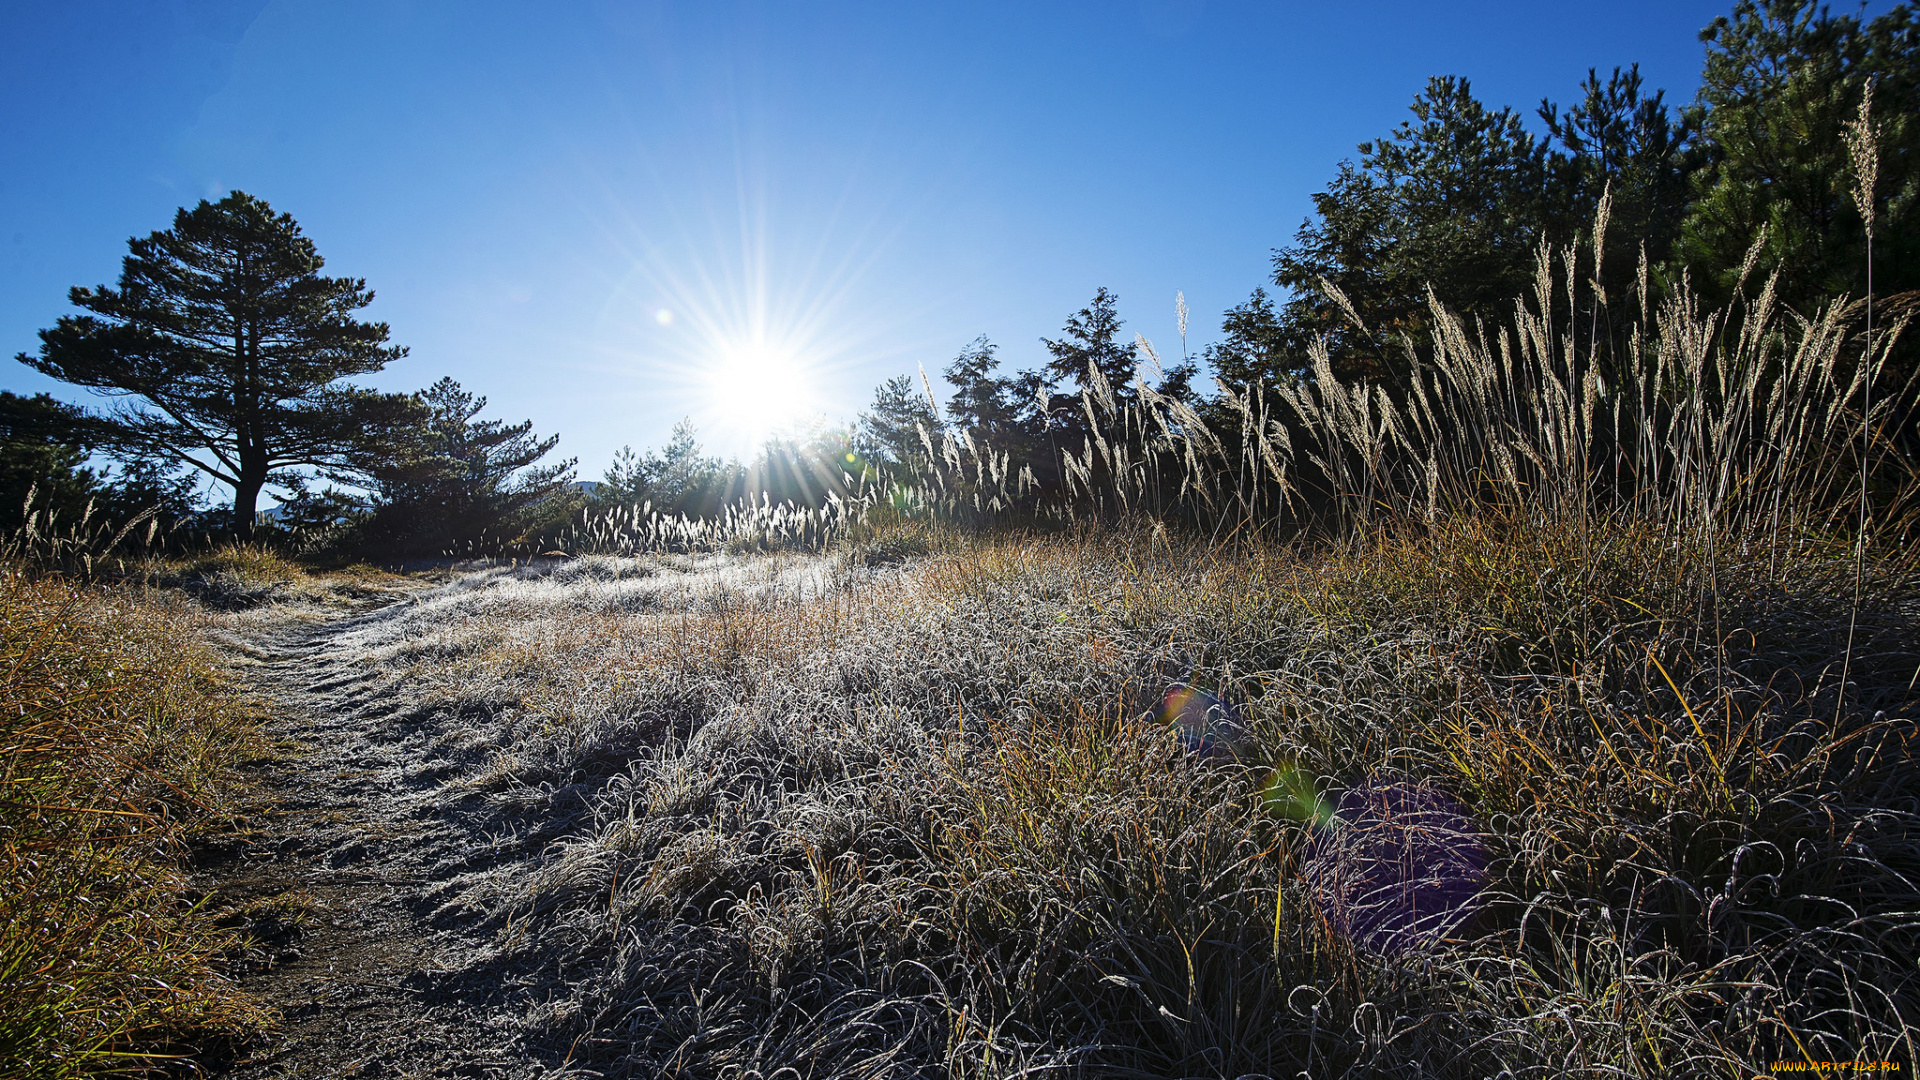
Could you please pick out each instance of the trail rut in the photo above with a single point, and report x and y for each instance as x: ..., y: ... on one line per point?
x: 342, y: 885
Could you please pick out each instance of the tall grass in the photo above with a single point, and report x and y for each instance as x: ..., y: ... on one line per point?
x: 44, y: 541
x: 1753, y: 421
x: 749, y: 524
x: 116, y: 738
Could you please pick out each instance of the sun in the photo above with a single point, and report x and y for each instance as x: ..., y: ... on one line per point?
x: 758, y: 389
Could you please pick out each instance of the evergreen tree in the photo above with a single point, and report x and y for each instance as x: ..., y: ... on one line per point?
x: 1456, y: 198
x: 1782, y: 79
x: 1088, y: 352
x: 459, y: 479
x: 43, y: 451
x: 1625, y: 143
x: 626, y: 482
x: 981, y: 401
x: 889, y: 429
x: 1254, y: 351
x: 677, y: 478
x: 1006, y: 413
x: 1090, y: 343
x: 229, y: 346
x: 682, y: 478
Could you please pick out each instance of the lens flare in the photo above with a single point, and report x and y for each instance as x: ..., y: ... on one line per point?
x: 742, y: 312
x: 1398, y: 866
x: 1208, y: 725
x: 1291, y: 794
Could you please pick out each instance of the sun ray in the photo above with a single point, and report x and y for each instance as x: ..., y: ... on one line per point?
x: 737, y: 310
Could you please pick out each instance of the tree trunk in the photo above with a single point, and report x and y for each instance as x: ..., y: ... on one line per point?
x: 246, y: 495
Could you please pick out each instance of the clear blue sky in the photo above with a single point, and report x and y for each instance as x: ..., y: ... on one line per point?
x: 865, y: 186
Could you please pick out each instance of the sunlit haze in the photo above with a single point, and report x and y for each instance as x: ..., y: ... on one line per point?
x: 758, y: 390
x: 609, y: 216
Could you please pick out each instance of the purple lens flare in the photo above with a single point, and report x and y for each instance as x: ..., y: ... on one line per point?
x: 1398, y: 868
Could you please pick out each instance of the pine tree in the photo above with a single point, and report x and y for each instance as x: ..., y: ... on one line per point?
x: 229, y: 346
x: 1455, y: 198
x: 43, y: 453
x: 980, y: 401
x: 1782, y: 78
x: 459, y: 479
x: 1090, y: 343
x: 627, y: 481
x: 889, y: 430
x: 1254, y: 352
x: 678, y: 478
x: 1623, y: 142
x: 681, y: 477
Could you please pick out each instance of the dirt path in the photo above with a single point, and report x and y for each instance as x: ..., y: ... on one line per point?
x: 342, y: 885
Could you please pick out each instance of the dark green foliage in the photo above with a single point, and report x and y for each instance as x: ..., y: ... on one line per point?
x: 1177, y: 382
x: 890, y: 429
x: 625, y: 481
x: 1456, y: 197
x: 45, y: 445
x: 228, y: 346
x: 1089, y: 346
x: 983, y: 402
x: 145, y: 484
x: 1254, y: 351
x: 311, y: 520
x: 1621, y: 143
x: 1460, y: 200
x: 43, y: 452
x: 1102, y: 370
x: 456, y: 481
x: 677, y: 479
x: 1462, y: 197
x: 1010, y: 413
x: 1782, y: 79
x: 684, y: 479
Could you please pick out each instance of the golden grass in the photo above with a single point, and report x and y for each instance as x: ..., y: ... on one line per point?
x: 236, y: 576
x: 117, y: 738
x: 901, y: 809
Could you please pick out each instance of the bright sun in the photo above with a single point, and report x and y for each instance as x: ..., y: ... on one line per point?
x: 758, y: 390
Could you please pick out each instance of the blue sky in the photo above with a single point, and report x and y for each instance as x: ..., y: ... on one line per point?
x: 847, y: 189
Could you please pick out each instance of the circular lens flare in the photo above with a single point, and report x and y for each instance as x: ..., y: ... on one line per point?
x: 1397, y: 866
x: 1292, y: 794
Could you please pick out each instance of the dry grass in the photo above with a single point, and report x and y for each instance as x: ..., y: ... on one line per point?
x: 117, y: 736
x: 803, y: 813
x: 239, y: 577
x: 1601, y: 630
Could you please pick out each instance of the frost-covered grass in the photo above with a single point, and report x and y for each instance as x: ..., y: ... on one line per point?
x: 794, y: 812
